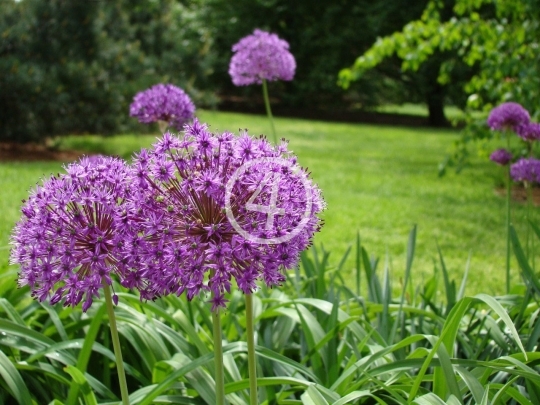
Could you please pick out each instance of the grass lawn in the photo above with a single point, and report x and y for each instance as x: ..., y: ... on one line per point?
x: 377, y: 180
x: 451, y: 112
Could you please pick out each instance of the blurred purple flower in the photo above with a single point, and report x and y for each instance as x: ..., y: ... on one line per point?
x: 501, y: 157
x: 507, y: 116
x: 529, y: 131
x: 526, y: 170
x: 259, y: 56
x: 188, y: 188
x: 163, y: 102
x: 67, y: 239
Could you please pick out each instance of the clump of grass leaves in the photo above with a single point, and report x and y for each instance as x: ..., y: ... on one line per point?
x: 318, y: 342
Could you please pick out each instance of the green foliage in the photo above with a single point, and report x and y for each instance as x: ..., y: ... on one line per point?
x: 344, y: 333
x: 496, y: 41
x: 419, y: 46
x: 73, y: 67
x: 323, y: 37
x: 318, y: 342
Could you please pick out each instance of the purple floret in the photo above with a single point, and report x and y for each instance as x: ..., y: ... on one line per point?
x: 501, y: 157
x: 191, y: 187
x: 529, y: 132
x: 259, y: 56
x: 508, y: 116
x: 526, y: 170
x: 163, y: 102
x: 68, y: 238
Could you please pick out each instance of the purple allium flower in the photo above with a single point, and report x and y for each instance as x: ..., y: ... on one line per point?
x: 526, y: 170
x: 501, y: 157
x: 259, y: 56
x: 219, y: 207
x: 67, y: 239
x: 507, y: 116
x: 163, y: 102
x: 529, y: 131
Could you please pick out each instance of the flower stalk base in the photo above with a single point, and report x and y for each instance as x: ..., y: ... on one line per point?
x: 250, y: 337
x: 218, y: 358
x: 508, y: 196
x: 268, y: 110
x: 116, y: 345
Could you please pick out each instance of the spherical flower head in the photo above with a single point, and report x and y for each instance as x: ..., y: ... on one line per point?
x: 220, y: 208
x: 529, y: 132
x: 259, y: 56
x: 526, y: 170
x: 501, y: 157
x: 67, y: 239
x: 508, y: 116
x: 163, y: 102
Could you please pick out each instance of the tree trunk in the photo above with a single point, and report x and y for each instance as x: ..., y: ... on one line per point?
x: 435, y: 103
x: 434, y: 92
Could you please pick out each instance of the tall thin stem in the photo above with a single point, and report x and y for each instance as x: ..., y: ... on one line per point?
x: 162, y: 126
x: 268, y: 110
x: 116, y: 344
x: 528, y: 187
x: 530, y: 239
x: 508, y: 196
x: 250, y: 337
x: 218, y: 358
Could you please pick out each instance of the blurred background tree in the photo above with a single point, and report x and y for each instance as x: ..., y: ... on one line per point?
x: 489, y: 48
x: 73, y: 66
x: 323, y: 37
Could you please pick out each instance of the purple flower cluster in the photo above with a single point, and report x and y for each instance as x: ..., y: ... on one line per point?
x: 214, y: 204
x: 68, y: 239
x: 192, y: 214
x: 163, y: 102
x: 501, y: 157
x: 526, y: 170
x: 512, y: 116
x: 508, y: 116
x: 529, y: 132
x: 259, y: 56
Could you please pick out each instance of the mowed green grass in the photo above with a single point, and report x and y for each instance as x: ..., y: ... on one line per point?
x: 378, y: 181
x: 451, y: 112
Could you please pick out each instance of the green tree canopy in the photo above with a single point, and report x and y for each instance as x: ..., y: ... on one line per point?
x: 74, y: 66
x: 323, y: 36
x: 498, y: 40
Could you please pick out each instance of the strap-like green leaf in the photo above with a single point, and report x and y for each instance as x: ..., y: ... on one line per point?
x: 313, y: 397
x: 84, y: 386
x: 529, y: 275
x: 14, y: 381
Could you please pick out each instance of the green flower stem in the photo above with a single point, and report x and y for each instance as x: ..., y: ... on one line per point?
x: 268, y: 110
x: 508, y: 196
x: 218, y: 358
x: 528, y: 187
x: 162, y: 126
x: 530, y: 239
x: 116, y: 344
x: 250, y: 337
